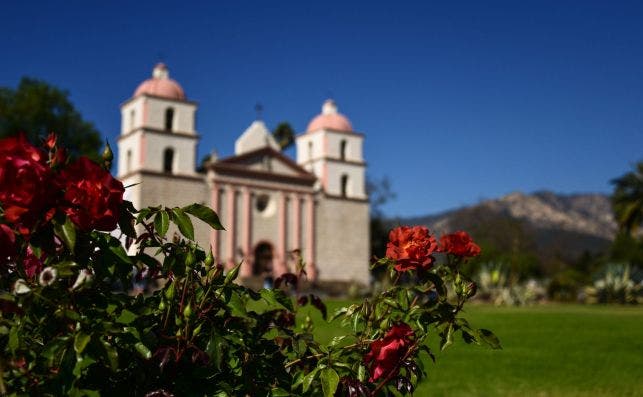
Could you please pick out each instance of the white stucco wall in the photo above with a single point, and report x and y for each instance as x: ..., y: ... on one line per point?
x: 184, y: 152
x: 343, y: 246
x: 183, y: 120
x: 129, y: 144
x: 356, y: 179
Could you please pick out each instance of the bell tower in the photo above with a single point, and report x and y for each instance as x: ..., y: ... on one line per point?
x: 332, y: 151
x: 158, y: 129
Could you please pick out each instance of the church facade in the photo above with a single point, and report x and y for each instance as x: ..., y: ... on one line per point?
x: 276, y: 210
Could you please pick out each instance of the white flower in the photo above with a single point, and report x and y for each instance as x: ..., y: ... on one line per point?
x: 84, y: 276
x: 20, y: 287
x: 47, y: 276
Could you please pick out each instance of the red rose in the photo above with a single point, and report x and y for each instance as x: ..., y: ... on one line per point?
x: 385, y: 355
x: 92, y: 196
x: 411, y: 247
x: 460, y: 244
x: 25, y: 183
x: 7, y: 243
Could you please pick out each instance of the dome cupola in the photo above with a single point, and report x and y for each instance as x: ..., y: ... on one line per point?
x: 330, y: 119
x: 161, y: 85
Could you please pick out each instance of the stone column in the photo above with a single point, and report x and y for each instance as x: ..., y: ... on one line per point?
x: 280, y: 260
x: 246, y: 268
x: 232, y: 232
x: 214, y: 234
x: 296, y: 222
x: 311, y: 269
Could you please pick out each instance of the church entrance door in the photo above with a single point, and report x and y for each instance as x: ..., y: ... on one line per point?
x: 263, y: 260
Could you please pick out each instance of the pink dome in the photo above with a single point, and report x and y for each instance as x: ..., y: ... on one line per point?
x: 161, y: 85
x: 330, y: 119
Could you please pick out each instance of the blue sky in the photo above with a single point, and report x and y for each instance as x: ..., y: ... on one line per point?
x: 459, y: 101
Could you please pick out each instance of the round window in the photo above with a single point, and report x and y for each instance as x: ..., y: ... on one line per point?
x: 262, y: 202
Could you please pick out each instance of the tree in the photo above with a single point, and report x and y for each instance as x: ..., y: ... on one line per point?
x: 38, y: 108
x: 284, y: 135
x: 627, y: 200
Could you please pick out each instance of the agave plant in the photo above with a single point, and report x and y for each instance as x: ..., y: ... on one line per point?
x: 495, y: 285
x: 617, y: 283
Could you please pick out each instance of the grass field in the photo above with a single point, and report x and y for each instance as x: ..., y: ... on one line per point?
x: 553, y: 350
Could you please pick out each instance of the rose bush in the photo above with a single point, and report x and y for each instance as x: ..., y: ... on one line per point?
x: 70, y: 324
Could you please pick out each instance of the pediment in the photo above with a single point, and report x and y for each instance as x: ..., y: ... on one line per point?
x: 264, y: 161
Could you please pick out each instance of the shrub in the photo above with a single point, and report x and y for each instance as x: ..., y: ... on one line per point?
x: 72, y: 247
x: 497, y: 287
x: 616, y: 284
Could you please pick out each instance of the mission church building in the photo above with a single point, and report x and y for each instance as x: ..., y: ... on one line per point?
x: 269, y: 204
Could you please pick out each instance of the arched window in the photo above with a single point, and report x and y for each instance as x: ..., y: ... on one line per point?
x: 168, y: 160
x: 342, y: 149
x: 169, y: 119
x: 344, y: 185
x: 132, y: 119
x: 128, y: 163
x: 310, y: 150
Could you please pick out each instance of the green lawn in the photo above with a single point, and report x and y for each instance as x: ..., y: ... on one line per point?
x: 554, y: 350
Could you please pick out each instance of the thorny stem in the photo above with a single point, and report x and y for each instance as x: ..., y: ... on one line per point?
x: 297, y: 361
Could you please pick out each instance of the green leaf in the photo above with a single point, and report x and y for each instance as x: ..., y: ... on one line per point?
x: 14, y: 340
x: 126, y: 220
x: 117, y: 249
x: 361, y: 373
x: 143, y: 350
x: 53, y: 349
x: 67, y: 233
x: 329, y: 381
x: 356, y: 321
x: 183, y: 222
x: 447, y: 337
x: 126, y: 317
x: 279, y: 392
x: 337, y: 340
x: 468, y: 338
x: 308, y: 379
x: 338, y: 312
x: 214, y: 349
x: 276, y: 297
x: 439, y: 284
x: 66, y: 268
x: 489, y: 338
x: 237, y: 304
x: 80, y: 341
x: 161, y: 223
x: 111, y: 354
x: 204, y: 213
x: 81, y: 364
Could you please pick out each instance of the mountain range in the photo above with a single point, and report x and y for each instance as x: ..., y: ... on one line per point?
x: 562, y: 225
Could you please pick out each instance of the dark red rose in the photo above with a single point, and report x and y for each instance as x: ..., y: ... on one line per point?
x: 411, y: 247
x: 25, y: 183
x: 460, y: 244
x: 386, y: 354
x: 93, y: 198
x: 7, y: 243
